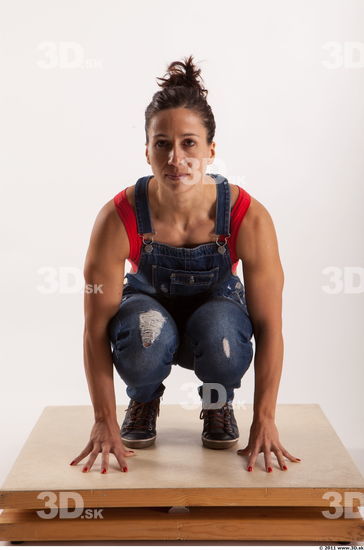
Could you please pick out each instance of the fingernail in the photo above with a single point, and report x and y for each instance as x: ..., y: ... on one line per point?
x: 284, y: 467
x: 103, y: 471
x: 250, y: 469
x: 269, y: 469
x: 72, y: 463
x: 85, y: 469
x: 125, y: 469
x: 298, y: 459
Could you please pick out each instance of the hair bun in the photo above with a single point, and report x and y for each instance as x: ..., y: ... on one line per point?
x: 183, y: 87
x: 183, y: 74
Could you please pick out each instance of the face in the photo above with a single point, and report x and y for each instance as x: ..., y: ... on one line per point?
x: 177, y: 145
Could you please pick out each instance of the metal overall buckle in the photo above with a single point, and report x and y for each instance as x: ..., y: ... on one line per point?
x: 148, y: 246
x: 221, y: 248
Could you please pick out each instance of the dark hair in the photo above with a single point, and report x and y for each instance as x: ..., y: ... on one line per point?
x: 182, y: 89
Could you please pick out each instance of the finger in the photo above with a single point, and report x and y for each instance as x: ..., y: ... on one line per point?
x: 291, y: 457
x: 121, y: 460
x: 244, y: 451
x: 82, y: 455
x: 252, y: 459
x: 268, y: 460
x: 105, y: 461
x: 280, y: 459
x: 129, y: 452
x: 126, y: 451
x: 91, y: 460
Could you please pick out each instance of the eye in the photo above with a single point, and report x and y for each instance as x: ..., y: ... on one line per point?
x: 160, y: 141
x: 190, y: 143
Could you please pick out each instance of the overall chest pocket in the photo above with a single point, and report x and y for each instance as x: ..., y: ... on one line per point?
x: 183, y: 283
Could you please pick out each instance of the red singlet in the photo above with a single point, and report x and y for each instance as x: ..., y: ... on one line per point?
x: 127, y: 215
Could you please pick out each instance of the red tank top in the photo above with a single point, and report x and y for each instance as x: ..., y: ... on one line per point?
x: 127, y: 216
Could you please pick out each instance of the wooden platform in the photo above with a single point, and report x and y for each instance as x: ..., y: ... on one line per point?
x: 180, y: 490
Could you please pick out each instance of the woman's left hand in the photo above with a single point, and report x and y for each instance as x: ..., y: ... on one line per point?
x: 264, y: 438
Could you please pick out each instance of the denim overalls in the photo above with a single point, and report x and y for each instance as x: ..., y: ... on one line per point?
x: 204, y: 323
x: 170, y: 271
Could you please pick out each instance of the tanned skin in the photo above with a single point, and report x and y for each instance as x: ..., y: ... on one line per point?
x: 183, y: 214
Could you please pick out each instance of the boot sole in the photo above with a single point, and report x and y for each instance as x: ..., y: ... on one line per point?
x: 138, y: 443
x: 215, y: 444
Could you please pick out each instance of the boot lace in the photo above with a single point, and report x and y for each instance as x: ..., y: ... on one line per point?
x: 142, y: 415
x: 215, y: 419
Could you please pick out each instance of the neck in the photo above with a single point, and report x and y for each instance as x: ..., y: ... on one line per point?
x: 181, y: 205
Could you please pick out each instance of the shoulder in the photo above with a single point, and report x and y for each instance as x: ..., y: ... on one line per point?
x: 107, y: 217
x: 257, y: 233
x: 234, y: 193
x: 108, y: 234
x: 256, y: 214
x: 129, y: 194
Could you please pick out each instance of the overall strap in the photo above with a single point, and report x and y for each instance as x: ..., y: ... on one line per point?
x: 222, y: 217
x: 222, y: 220
x: 142, y: 206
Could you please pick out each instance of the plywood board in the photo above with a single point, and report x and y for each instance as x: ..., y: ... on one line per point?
x: 178, y: 470
x: 238, y: 523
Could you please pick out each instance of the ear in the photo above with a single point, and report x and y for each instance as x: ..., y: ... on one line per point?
x: 212, y: 153
x: 147, y: 154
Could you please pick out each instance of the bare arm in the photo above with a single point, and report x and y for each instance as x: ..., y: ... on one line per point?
x: 263, y: 277
x: 104, y: 265
x: 104, y: 275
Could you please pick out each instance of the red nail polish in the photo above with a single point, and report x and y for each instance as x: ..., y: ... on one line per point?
x: 85, y: 469
x: 269, y: 469
x: 250, y: 469
x: 284, y: 467
x: 103, y: 471
x: 125, y: 469
x: 72, y: 463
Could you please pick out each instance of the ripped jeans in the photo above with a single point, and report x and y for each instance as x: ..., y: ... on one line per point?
x: 210, y: 334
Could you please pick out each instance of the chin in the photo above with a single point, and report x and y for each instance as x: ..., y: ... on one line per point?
x: 188, y: 179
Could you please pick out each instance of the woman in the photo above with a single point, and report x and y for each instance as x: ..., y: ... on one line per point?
x: 183, y: 302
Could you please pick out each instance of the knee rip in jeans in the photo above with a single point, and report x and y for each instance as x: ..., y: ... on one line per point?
x: 150, y: 325
x: 226, y: 346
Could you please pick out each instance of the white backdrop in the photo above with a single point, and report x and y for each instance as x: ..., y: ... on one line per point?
x: 286, y: 84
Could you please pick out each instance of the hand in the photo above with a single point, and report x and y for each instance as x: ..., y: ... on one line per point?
x: 104, y: 438
x: 264, y: 437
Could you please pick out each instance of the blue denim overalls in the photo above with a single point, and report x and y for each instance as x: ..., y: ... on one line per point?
x: 178, y: 281
x: 170, y: 271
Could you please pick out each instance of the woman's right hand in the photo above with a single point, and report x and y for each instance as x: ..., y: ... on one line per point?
x: 104, y: 438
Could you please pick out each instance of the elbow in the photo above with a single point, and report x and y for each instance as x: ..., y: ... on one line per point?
x: 95, y: 330
x: 264, y: 329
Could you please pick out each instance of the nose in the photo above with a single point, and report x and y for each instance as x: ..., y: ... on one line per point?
x: 176, y: 156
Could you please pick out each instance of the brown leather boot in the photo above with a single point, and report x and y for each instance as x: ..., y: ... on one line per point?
x: 139, y: 427
x: 220, y: 429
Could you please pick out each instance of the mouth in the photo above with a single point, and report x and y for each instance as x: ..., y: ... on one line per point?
x: 176, y: 176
